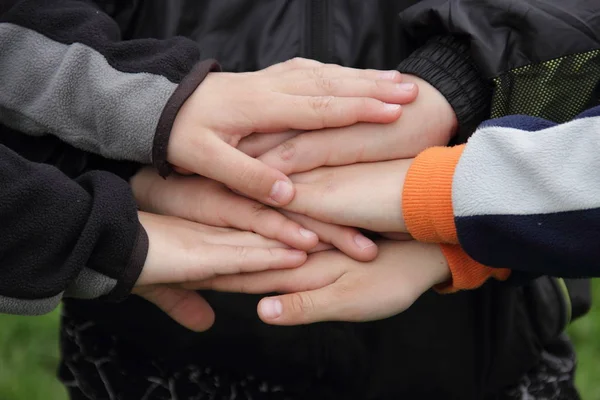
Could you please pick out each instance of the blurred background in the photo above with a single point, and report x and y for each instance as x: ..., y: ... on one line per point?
x: 29, y: 355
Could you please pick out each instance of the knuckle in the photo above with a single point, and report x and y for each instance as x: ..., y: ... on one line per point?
x: 317, y: 72
x: 250, y: 178
x: 321, y: 104
x: 365, y: 103
x: 241, y: 252
x: 295, y: 62
x: 286, y: 150
x: 379, y: 85
x: 327, y: 85
x: 301, y: 303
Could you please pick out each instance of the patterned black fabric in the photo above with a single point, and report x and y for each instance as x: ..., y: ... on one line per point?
x: 553, y: 377
x: 98, y: 366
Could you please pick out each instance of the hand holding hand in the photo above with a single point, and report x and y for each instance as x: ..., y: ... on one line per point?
x: 367, y: 196
x: 428, y: 121
x: 332, y: 287
x: 205, y: 201
x: 298, y: 94
x: 181, y: 251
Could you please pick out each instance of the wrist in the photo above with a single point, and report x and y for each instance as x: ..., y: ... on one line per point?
x: 440, y: 272
x: 141, y: 186
x: 172, y: 109
x: 446, y: 63
x: 434, y: 105
x: 134, y: 268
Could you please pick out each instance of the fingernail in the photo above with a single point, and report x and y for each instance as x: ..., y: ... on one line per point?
x: 406, y: 87
x: 363, y: 242
x: 281, y: 192
x: 271, y: 308
x: 389, y: 75
x: 391, y: 107
x: 307, y: 234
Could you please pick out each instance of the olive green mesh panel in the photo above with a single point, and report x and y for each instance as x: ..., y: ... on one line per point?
x: 557, y: 90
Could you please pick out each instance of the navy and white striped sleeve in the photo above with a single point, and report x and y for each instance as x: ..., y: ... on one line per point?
x: 526, y: 195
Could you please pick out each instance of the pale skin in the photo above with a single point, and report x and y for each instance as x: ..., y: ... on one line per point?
x: 321, y: 193
x: 181, y: 251
x: 330, y: 286
x: 354, y: 176
x: 297, y: 94
x: 206, y: 201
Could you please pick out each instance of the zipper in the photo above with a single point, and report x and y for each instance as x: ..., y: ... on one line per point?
x: 318, y: 31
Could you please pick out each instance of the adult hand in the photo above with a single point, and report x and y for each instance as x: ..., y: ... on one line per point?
x: 181, y: 251
x: 298, y: 94
x: 428, y: 121
x: 367, y: 195
x: 332, y: 287
x: 206, y: 201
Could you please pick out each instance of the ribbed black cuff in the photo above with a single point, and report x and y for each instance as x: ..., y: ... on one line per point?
x: 163, y: 130
x: 132, y: 271
x: 445, y: 62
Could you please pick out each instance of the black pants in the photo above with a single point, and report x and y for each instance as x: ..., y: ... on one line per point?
x: 97, y: 366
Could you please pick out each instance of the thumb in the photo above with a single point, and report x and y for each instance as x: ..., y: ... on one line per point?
x: 244, y: 174
x: 186, y: 307
x: 300, y: 308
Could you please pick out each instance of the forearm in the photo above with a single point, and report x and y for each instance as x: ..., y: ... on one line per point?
x: 64, y: 238
x: 67, y: 72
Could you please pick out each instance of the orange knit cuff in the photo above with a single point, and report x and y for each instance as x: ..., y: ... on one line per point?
x: 427, y: 195
x: 466, y: 272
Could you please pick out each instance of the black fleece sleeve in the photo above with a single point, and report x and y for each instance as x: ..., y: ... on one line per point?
x: 66, y: 71
x: 61, y: 237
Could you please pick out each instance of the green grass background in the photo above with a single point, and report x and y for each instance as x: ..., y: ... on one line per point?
x: 29, y: 353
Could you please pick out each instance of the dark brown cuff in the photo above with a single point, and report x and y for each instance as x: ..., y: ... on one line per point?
x: 163, y: 130
x: 132, y: 271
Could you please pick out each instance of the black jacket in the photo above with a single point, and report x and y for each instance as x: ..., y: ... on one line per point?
x: 472, y: 51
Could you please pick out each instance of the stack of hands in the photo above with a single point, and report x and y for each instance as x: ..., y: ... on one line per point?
x: 277, y: 170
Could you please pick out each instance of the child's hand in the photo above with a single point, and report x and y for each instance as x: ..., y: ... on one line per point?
x: 332, y: 287
x: 428, y: 121
x: 299, y: 94
x: 208, y: 202
x: 367, y: 196
x: 182, y: 251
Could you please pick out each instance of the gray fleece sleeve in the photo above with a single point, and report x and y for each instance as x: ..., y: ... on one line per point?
x: 72, y: 92
x: 66, y: 72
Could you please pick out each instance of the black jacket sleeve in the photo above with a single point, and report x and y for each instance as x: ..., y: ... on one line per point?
x: 61, y: 237
x: 506, y: 34
x: 535, y: 54
x: 446, y: 63
x: 66, y: 71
